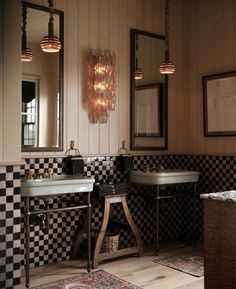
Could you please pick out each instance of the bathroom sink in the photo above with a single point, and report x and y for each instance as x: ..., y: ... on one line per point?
x: 57, y: 185
x: 163, y: 178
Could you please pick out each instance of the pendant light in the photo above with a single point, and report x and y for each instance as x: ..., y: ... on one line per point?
x: 50, y: 43
x: 138, y: 74
x: 167, y: 67
x: 26, y: 53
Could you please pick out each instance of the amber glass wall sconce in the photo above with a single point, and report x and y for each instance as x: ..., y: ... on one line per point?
x: 101, y: 85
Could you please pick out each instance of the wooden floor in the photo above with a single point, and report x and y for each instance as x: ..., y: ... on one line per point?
x: 142, y: 272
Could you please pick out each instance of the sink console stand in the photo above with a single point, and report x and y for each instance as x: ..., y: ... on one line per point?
x: 159, y: 197
x: 166, y: 178
x: 47, y: 211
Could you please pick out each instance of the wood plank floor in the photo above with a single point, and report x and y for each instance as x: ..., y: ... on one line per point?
x: 142, y: 272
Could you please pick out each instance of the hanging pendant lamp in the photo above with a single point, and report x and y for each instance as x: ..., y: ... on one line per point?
x: 26, y: 53
x: 167, y: 67
x: 50, y: 43
x: 138, y: 74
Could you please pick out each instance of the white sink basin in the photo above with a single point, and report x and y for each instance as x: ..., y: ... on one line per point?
x: 163, y: 178
x: 57, y: 185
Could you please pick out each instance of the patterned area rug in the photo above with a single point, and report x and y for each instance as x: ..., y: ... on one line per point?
x: 191, y: 263
x: 93, y: 280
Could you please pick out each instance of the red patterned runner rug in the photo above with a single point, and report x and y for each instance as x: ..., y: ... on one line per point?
x: 190, y: 263
x: 93, y: 280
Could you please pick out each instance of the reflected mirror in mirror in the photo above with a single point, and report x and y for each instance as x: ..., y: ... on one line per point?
x: 148, y: 92
x: 42, y: 84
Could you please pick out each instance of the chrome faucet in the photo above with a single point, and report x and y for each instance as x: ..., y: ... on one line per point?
x: 38, y: 176
x: 28, y: 175
x: 161, y: 168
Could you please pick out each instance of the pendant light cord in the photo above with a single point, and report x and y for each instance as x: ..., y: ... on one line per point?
x: 167, y: 16
x: 24, y: 11
x: 51, y: 18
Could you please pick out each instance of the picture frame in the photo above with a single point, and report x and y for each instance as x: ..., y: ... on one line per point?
x: 219, y: 104
x: 148, y: 111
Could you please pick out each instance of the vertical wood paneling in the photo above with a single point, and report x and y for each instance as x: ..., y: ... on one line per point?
x: 210, y: 44
x: 72, y: 72
x: 176, y: 18
x: 114, y: 44
x: 206, y: 44
x: 132, y: 23
x: 104, y: 44
x: 99, y: 24
x: 11, y: 139
x: 158, y: 16
x: 1, y: 81
x: 123, y: 72
x: 106, y: 24
x: 173, y: 135
x: 140, y: 14
x: 148, y: 16
x: 94, y: 40
x: 84, y: 9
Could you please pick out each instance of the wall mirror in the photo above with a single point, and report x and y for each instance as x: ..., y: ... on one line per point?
x: 42, y: 84
x: 148, y: 128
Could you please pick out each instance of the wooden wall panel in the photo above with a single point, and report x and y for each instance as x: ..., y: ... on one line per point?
x: 84, y: 42
x: 123, y: 72
x: 210, y: 47
x: 72, y: 72
x: 1, y: 81
x: 106, y: 24
x: 11, y: 81
x: 114, y: 45
x: 202, y: 42
x: 104, y: 14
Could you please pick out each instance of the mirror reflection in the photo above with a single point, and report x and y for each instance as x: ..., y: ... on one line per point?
x: 148, y: 92
x: 42, y: 84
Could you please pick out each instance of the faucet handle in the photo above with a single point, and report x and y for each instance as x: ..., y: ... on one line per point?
x: 161, y: 168
x: 38, y: 176
x: 47, y: 174
x: 50, y: 174
x: 147, y: 169
x: 28, y: 175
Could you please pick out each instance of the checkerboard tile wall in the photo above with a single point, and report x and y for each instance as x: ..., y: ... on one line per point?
x: 175, y: 216
x: 10, y: 247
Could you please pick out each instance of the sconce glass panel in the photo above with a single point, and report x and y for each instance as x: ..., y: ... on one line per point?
x: 101, y: 85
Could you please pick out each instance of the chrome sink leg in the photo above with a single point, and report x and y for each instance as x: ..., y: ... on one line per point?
x: 89, y: 232
x: 194, y: 213
x: 157, y: 220
x: 27, y: 239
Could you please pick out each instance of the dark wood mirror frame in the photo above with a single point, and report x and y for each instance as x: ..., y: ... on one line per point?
x: 163, y: 105
x: 60, y: 79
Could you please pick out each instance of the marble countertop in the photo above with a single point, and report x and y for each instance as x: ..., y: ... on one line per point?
x: 227, y: 196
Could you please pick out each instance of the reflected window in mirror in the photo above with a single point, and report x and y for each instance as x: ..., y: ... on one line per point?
x: 148, y: 93
x: 29, y: 112
x: 43, y: 115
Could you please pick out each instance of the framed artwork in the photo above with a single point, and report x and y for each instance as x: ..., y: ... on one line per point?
x: 219, y: 100
x: 147, y: 110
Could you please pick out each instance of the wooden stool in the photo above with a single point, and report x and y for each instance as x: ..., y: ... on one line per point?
x: 108, y: 200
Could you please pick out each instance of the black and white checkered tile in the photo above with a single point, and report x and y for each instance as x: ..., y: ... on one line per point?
x: 40, y: 164
x: 175, y: 216
x: 10, y: 223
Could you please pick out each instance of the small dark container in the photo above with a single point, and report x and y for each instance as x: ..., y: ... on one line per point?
x: 125, y: 163
x: 75, y: 165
